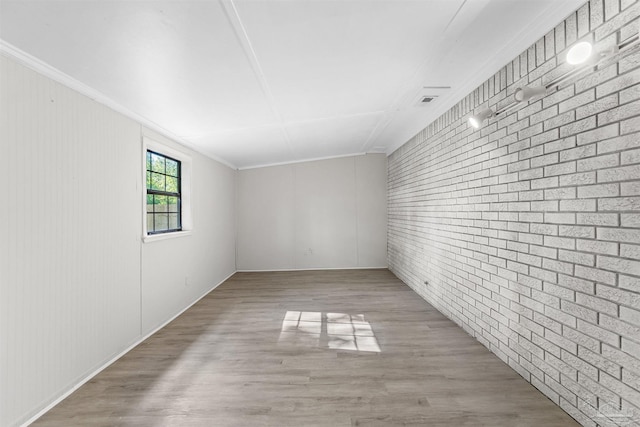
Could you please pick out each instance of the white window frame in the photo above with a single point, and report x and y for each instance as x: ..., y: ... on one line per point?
x: 185, y: 188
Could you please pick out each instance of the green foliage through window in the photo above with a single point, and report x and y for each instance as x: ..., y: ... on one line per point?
x: 163, y: 194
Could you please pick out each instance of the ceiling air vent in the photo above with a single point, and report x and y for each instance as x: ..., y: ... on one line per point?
x: 429, y: 94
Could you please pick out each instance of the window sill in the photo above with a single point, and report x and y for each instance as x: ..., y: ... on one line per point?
x: 164, y: 236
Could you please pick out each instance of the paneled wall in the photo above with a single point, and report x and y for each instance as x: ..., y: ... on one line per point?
x: 177, y: 271
x: 320, y: 214
x: 71, y: 257
x: 527, y: 232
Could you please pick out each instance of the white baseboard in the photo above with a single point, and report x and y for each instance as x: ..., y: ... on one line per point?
x: 311, y: 269
x: 118, y: 356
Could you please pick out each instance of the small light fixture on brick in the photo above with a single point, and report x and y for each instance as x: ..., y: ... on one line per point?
x: 579, y: 53
x: 477, y: 119
x: 583, y: 53
x: 584, y: 56
x: 524, y: 94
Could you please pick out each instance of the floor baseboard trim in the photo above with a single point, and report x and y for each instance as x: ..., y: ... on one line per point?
x: 311, y: 269
x: 119, y: 355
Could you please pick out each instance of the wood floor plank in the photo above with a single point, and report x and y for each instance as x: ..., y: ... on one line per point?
x: 315, y: 348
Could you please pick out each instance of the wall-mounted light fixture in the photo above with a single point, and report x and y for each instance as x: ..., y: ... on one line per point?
x: 524, y: 94
x: 476, y: 120
x: 580, y: 54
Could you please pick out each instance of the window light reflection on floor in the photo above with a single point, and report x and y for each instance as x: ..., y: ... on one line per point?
x: 339, y: 331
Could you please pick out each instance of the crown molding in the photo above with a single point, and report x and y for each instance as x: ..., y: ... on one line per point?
x: 55, y: 74
x: 309, y: 160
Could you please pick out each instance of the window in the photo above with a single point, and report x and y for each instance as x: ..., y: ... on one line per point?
x: 164, y: 196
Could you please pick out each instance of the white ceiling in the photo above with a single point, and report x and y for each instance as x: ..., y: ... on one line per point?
x: 267, y: 82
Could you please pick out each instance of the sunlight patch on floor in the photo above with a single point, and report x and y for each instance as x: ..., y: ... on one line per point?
x: 339, y: 331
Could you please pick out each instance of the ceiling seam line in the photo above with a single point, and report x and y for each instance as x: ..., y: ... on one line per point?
x: 257, y: 68
x: 455, y: 15
x: 402, y: 93
x: 293, y: 123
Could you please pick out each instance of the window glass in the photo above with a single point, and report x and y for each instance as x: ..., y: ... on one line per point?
x: 163, y: 194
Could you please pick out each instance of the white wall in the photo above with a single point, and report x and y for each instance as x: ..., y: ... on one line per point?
x: 320, y: 214
x: 71, y: 257
x: 177, y: 271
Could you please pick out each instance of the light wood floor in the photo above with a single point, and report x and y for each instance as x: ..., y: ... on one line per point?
x: 356, y: 348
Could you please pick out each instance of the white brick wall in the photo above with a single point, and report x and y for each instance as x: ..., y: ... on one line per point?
x: 527, y: 231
